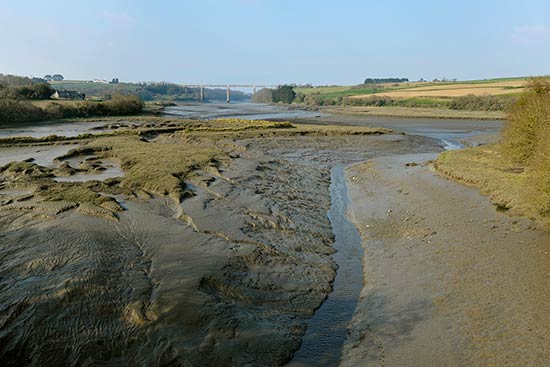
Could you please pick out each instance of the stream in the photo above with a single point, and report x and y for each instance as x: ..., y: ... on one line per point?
x: 326, y: 333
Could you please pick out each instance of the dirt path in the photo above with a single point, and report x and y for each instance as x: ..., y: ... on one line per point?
x: 448, y: 280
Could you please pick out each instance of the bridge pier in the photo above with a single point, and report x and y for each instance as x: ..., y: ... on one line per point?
x: 228, y: 94
x: 202, y: 93
x: 254, y: 90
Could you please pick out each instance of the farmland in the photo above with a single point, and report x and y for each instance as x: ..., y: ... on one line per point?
x: 421, y: 89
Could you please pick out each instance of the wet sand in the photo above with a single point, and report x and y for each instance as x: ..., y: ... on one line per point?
x: 448, y: 280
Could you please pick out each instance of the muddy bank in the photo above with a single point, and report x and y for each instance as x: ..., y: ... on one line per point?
x: 250, y: 111
x: 413, y: 125
x: 231, y: 276
x: 326, y: 332
x: 448, y: 279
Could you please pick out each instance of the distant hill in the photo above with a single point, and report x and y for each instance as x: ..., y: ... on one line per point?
x: 146, y: 91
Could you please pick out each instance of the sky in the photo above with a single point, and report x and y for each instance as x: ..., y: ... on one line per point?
x: 322, y: 42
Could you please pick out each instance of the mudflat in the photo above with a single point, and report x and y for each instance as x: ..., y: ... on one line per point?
x: 225, y: 269
x: 448, y: 280
x: 214, y: 248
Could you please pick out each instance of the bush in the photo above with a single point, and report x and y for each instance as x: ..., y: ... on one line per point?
x: 35, y: 91
x: 526, y: 140
x: 482, y: 103
x: 123, y: 105
x: 12, y: 110
x: 284, y: 94
x: 528, y: 119
x: 264, y: 95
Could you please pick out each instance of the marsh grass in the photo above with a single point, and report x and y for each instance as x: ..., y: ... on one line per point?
x: 515, y: 172
x: 157, y: 157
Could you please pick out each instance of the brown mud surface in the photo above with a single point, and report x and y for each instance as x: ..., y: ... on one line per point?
x: 448, y: 280
x: 229, y: 276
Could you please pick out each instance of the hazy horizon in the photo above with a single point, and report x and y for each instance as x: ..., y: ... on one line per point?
x: 261, y: 41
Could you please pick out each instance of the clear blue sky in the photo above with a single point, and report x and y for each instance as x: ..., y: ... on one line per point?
x: 268, y: 41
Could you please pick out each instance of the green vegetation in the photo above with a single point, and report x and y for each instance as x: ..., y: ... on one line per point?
x: 284, y: 94
x: 13, y: 110
x: 13, y: 80
x: 31, y: 91
x: 154, y: 167
x: 322, y: 93
x: 157, y: 158
x: 264, y: 95
x: 515, y: 172
x: 385, y: 80
x: 146, y: 91
x: 483, y: 103
x: 117, y: 106
x: 475, y: 95
x: 27, y: 100
x: 469, y: 102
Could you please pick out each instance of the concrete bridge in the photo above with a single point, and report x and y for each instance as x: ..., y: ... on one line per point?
x: 228, y: 86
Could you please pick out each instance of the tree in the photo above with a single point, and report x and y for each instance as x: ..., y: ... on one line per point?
x: 385, y: 80
x: 284, y: 94
x: 264, y: 95
x: 57, y: 77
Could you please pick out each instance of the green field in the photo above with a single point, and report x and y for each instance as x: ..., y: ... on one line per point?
x: 416, y: 89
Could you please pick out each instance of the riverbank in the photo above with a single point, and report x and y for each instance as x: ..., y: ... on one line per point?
x: 415, y: 112
x: 14, y: 111
x: 449, y: 281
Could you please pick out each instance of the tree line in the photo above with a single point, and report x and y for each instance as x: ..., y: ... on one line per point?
x: 385, y: 80
x: 282, y: 94
x: 30, y: 91
x: 14, y: 110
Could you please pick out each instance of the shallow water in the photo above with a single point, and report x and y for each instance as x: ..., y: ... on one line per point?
x: 111, y: 170
x: 15, y: 192
x: 326, y: 333
x: 42, y: 129
x: 41, y: 155
x: 249, y: 111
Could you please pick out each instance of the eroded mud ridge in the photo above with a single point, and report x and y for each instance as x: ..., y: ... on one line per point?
x: 226, y: 272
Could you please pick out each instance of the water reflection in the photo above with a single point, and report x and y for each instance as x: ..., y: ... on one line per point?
x: 326, y: 333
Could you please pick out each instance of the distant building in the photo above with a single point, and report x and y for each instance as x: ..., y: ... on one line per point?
x: 68, y: 94
x: 102, y: 81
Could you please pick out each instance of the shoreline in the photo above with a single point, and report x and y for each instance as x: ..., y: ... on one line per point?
x: 408, y: 112
x: 445, y: 280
